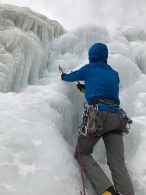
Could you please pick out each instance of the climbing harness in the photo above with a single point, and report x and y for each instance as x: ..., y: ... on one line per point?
x: 92, y: 121
x: 126, y: 122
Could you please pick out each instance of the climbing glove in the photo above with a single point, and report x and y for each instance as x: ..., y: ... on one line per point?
x: 62, y: 76
x: 81, y: 87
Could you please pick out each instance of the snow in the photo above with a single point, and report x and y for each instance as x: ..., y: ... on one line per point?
x: 39, y: 125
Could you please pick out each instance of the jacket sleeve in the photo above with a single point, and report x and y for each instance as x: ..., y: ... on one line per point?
x: 118, y: 77
x: 76, y: 75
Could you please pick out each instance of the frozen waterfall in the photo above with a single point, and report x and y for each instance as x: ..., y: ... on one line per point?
x: 39, y: 124
x: 24, y: 40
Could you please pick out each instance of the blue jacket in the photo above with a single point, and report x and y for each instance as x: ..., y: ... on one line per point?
x: 101, y: 81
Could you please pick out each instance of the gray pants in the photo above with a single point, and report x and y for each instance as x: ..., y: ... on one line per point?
x: 115, y: 159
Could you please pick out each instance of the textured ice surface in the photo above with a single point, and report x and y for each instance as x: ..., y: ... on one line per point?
x: 38, y: 127
x: 24, y: 40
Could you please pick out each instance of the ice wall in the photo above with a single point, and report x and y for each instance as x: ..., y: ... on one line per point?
x: 24, y: 39
x: 139, y: 50
x: 134, y: 33
x: 126, y: 55
x: 34, y: 156
x: 70, y: 50
x: 38, y: 126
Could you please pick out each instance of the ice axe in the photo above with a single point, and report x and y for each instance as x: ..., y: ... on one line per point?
x: 61, y: 70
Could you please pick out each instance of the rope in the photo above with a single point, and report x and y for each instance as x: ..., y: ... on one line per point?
x: 81, y: 167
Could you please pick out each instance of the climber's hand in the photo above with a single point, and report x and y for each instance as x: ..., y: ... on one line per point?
x: 62, y: 76
x: 81, y: 87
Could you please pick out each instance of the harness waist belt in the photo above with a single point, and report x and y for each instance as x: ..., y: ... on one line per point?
x: 107, y: 105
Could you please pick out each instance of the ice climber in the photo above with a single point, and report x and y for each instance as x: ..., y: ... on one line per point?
x: 103, y: 118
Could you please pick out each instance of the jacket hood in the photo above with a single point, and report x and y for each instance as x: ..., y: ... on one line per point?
x: 98, y: 52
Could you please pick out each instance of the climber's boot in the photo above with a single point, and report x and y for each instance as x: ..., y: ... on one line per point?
x: 110, y: 191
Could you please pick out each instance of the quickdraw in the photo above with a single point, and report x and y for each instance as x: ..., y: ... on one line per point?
x: 127, y: 122
x: 83, y: 128
x: 91, y: 120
